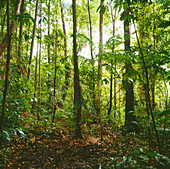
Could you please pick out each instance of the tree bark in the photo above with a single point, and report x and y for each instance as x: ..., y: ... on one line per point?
x: 49, y: 30
x: 91, y: 52
x: 32, y: 42
x: 20, y: 33
x: 7, y: 73
x: 147, y: 88
x: 55, y: 51
x: 12, y: 28
x: 67, y: 66
x: 111, y: 72
x: 129, y: 107
x: 100, y: 67
x: 143, y: 89
x: 77, y: 91
x: 154, y: 47
x: 39, y: 84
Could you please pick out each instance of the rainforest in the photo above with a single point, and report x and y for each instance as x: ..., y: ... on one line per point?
x: 84, y: 84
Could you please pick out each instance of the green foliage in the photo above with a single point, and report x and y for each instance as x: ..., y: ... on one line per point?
x: 139, y: 158
x: 164, y: 24
x: 13, y: 134
x: 124, y: 66
x: 164, y: 113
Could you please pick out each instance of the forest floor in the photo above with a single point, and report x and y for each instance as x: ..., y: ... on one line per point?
x: 59, y: 150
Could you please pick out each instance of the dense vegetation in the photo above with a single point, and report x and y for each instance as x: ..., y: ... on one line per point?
x: 84, y: 84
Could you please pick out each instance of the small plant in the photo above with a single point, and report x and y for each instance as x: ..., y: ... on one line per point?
x: 140, y: 159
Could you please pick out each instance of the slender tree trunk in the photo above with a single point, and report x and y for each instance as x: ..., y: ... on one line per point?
x: 147, y: 88
x: 20, y: 33
x: 54, y: 94
x: 49, y: 4
x: 119, y: 106
x: 77, y: 90
x: 7, y: 74
x: 35, y: 80
x: 100, y: 68
x: 111, y: 72
x: 129, y: 108
x: 165, y: 119
x: 1, y: 11
x: 35, y: 76
x: 67, y: 66
x: 2, y: 35
x: 16, y: 42
x: 91, y: 52
x: 32, y: 42
x: 12, y: 28
x: 154, y: 47
x: 64, y: 29
x: 28, y: 29
x: 39, y: 84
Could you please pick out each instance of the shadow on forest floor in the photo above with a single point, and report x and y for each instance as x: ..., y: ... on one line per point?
x: 58, y: 151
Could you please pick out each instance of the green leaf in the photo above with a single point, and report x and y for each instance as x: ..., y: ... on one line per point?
x: 20, y: 131
x: 164, y: 24
x: 85, y: 37
x: 98, y: 8
x: 145, y: 158
x: 123, y: 16
x: 7, y: 135
x: 151, y: 154
x: 164, y: 113
x: 134, y: 122
x: 106, y: 81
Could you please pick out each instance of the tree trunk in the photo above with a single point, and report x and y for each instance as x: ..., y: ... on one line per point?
x: 147, y: 88
x: 20, y: 33
x: 91, y: 52
x: 54, y: 94
x: 111, y: 72
x: 7, y: 73
x: 154, y: 47
x: 39, y: 84
x: 67, y: 66
x: 49, y: 3
x: 28, y: 28
x: 32, y: 42
x: 12, y: 28
x: 143, y: 89
x: 129, y: 108
x: 100, y: 68
x: 2, y: 35
x: 35, y: 76
x: 77, y: 91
